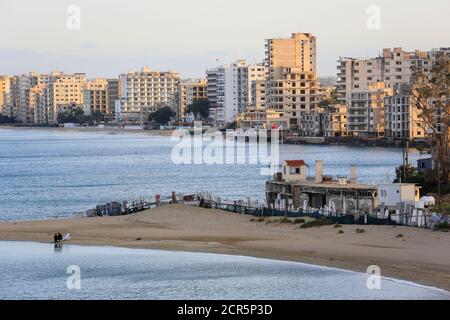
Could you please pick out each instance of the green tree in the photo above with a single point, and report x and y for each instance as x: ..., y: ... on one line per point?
x: 162, y: 115
x: 200, y: 109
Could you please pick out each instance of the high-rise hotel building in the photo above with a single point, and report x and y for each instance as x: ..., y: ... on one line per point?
x: 291, y: 84
x: 144, y: 92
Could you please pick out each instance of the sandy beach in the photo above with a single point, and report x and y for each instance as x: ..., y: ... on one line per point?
x: 417, y: 255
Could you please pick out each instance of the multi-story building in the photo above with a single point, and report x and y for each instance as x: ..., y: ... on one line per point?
x: 365, y: 112
x: 230, y: 89
x: 337, y: 121
x: 144, y: 92
x: 328, y: 121
x: 401, y: 121
x: 255, y: 115
x: 21, y: 109
x: 291, y: 85
x: 65, y: 93
x: 6, y: 95
x: 189, y: 91
x: 395, y: 69
x: 95, y: 96
x: 113, y: 95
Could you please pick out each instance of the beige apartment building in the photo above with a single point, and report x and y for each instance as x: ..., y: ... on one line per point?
x: 291, y: 85
x: 329, y: 121
x: 6, y: 96
x: 66, y: 93
x: 365, y: 113
x: 189, y: 91
x: 394, y: 68
x: 144, y: 92
x: 95, y: 96
x: 337, y: 121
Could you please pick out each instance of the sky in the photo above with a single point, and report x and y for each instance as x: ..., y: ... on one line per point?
x: 188, y: 36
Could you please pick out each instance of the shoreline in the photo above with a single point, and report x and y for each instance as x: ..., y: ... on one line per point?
x: 109, y: 130
x: 419, y: 256
x: 168, y: 133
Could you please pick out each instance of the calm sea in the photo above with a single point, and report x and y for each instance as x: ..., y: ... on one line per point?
x: 38, y: 271
x: 46, y: 174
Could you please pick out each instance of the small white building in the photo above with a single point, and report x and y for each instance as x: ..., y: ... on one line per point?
x: 392, y: 194
x: 294, y: 170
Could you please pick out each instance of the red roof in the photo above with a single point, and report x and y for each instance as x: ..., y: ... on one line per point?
x: 295, y: 163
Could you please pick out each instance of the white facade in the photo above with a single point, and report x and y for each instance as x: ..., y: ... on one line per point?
x: 391, y: 194
x: 230, y: 89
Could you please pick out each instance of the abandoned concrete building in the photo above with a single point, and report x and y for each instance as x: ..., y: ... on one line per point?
x: 292, y: 189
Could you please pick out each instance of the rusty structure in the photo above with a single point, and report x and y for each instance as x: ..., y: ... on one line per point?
x: 293, y: 190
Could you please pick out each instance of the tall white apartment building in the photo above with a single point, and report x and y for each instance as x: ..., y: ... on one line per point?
x: 291, y: 86
x: 144, y: 92
x: 230, y: 89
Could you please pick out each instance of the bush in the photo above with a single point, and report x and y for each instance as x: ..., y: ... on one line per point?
x: 316, y: 223
x: 360, y: 230
x: 341, y: 231
x: 444, y: 227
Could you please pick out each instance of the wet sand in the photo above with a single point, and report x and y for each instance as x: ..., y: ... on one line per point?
x: 417, y: 255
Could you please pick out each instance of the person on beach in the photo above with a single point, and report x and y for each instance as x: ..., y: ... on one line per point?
x: 57, y: 237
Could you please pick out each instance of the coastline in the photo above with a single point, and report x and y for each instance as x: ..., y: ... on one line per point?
x: 420, y: 256
x: 108, y: 130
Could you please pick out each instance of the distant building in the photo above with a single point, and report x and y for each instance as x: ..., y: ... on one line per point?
x: 365, y: 113
x: 66, y: 93
x: 293, y: 189
x: 144, y: 92
x: 230, y: 89
x: 113, y: 94
x: 291, y: 85
x: 96, y: 96
x: 329, y: 121
x: 6, y: 95
x: 336, y: 124
x: 423, y: 165
x: 189, y: 91
x: 400, y: 117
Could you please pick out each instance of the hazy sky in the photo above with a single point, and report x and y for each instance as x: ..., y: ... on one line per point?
x: 189, y: 35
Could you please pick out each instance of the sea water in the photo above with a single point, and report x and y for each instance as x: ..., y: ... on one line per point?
x: 39, y: 271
